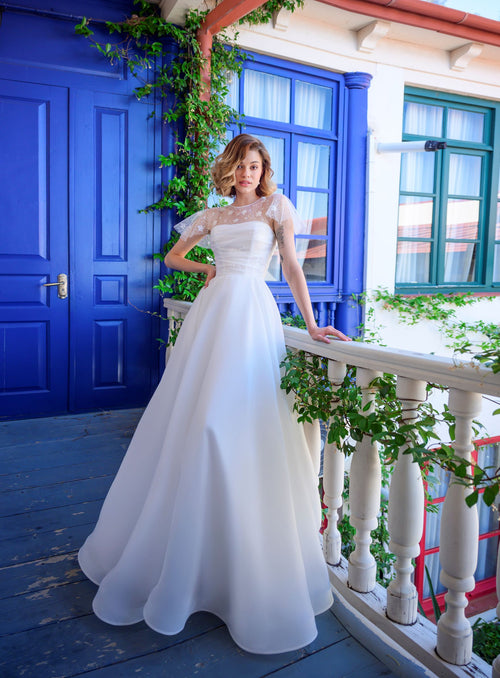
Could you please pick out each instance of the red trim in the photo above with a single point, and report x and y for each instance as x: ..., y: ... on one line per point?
x: 225, y: 14
x: 426, y: 15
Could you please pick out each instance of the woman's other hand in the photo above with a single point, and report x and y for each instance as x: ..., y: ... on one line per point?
x: 210, y: 275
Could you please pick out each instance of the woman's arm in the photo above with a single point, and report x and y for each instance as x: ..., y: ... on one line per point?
x: 176, y: 258
x: 295, y: 277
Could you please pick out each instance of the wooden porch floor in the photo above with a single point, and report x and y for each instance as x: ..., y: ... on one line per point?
x: 55, y: 473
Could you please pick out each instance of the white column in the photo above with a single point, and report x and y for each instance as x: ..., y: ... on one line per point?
x: 459, y: 536
x: 333, y: 478
x: 496, y: 663
x: 364, y: 496
x: 406, y: 513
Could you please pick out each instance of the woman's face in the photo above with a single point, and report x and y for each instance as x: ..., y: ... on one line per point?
x: 247, y: 174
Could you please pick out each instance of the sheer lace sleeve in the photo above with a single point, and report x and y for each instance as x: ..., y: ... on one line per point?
x: 282, y: 210
x: 196, y: 226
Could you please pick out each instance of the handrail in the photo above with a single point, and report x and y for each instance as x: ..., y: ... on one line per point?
x: 451, y: 372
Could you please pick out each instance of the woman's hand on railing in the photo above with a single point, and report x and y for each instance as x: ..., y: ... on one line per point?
x: 322, y: 334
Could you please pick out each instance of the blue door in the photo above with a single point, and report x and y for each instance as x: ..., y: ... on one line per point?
x: 34, y: 321
x: 76, y: 168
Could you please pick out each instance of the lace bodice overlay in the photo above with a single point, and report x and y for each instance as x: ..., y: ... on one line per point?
x: 272, y: 210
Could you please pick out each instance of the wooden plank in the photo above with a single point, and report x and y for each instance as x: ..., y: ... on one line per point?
x: 347, y: 658
x: 66, y: 427
x: 34, y: 547
x: 87, y: 468
x: 46, y: 606
x: 79, y: 645
x: 41, y: 574
x: 50, y: 496
x: 48, y: 520
x: 215, y: 655
x: 52, y: 453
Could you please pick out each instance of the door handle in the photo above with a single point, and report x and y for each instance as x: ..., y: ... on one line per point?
x: 62, y: 285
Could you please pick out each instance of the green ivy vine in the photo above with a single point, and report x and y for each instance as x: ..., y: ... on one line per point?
x: 479, y: 339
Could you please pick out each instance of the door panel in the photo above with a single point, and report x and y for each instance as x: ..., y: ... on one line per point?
x: 33, y: 248
x: 112, y: 246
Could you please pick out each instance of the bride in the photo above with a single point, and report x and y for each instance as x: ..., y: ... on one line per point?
x: 215, y: 506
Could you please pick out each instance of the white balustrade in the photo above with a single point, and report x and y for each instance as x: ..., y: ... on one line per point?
x: 365, y: 481
x: 406, y: 513
x: 459, y: 526
x: 333, y: 479
x: 459, y: 537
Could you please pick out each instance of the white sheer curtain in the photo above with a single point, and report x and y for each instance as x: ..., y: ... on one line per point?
x: 465, y: 125
x: 266, y: 96
x: 313, y: 105
x: 423, y: 119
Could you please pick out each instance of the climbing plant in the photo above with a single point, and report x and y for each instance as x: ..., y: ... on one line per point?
x: 306, y: 377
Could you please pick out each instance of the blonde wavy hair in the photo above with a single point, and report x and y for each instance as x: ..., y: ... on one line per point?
x: 226, y: 163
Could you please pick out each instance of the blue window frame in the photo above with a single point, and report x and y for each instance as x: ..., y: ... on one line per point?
x: 297, y: 111
x: 449, y: 223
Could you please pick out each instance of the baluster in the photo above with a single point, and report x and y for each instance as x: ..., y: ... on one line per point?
x: 406, y: 513
x: 459, y: 537
x: 364, y: 495
x: 333, y: 479
x: 496, y: 663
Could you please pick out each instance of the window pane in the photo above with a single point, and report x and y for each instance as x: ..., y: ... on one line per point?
x: 232, y: 97
x: 465, y: 174
x: 432, y: 525
x: 313, y: 164
x: 274, y: 270
x: 462, y: 219
x: 413, y: 260
x: 465, y: 125
x: 496, y: 264
x: 497, y: 229
x: 276, y: 148
x: 439, y: 481
x: 312, y: 255
x: 486, y: 559
x: 415, y: 217
x: 460, y: 262
x: 266, y: 96
x: 423, y: 119
x: 417, y: 172
x: 432, y: 563
x: 313, y: 208
x: 313, y: 105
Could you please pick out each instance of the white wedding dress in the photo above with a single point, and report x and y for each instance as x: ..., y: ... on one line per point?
x: 215, y: 506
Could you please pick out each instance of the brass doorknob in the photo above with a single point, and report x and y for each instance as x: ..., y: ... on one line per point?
x: 62, y: 285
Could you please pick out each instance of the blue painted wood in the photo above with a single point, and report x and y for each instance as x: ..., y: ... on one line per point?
x: 33, y: 247
x: 98, y: 162
x: 348, y: 312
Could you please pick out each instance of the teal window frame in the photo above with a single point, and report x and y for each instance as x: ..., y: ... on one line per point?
x: 489, y: 149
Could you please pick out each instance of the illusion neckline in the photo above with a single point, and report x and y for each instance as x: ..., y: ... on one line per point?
x: 249, y: 204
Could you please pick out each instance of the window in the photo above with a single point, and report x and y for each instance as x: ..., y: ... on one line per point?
x: 487, y: 455
x: 448, y: 230
x: 294, y: 110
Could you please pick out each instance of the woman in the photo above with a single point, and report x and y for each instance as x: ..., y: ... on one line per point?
x: 215, y: 506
